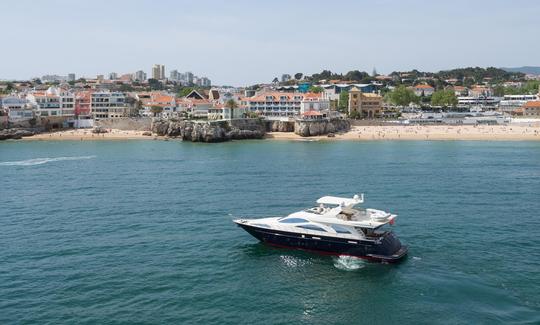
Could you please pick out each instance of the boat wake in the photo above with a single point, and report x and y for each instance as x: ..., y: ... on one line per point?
x: 349, y: 263
x: 41, y: 161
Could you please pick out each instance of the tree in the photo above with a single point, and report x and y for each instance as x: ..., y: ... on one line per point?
x: 231, y: 104
x: 444, y: 98
x: 185, y: 91
x: 316, y: 89
x: 155, y: 84
x: 343, y: 104
x: 402, y: 96
x: 298, y: 76
x: 156, y: 109
x: 498, y: 91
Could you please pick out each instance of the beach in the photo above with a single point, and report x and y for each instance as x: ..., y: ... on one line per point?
x: 87, y: 135
x: 426, y: 132
x: 360, y: 133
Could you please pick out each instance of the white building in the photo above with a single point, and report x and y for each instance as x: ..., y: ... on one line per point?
x: 158, y: 71
x: 468, y: 101
x: 105, y: 104
x: 140, y: 75
x: 511, y: 102
x: 67, y: 103
x: 283, y: 106
x: 47, y: 102
x: 18, y: 109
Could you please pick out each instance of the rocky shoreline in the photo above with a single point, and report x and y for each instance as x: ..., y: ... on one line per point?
x: 320, y: 127
x: 16, y: 134
x: 210, y: 131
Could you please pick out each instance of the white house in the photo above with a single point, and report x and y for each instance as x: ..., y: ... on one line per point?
x: 18, y: 109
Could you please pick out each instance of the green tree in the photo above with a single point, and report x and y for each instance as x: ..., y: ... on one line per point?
x: 155, y: 84
x: 444, y: 98
x: 498, y: 91
x: 343, y: 104
x: 156, y: 109
x: 185, y: 91
x: 298, y: 76
x: 316, y: 89
x: 231, y: 104
x: 402, y: 96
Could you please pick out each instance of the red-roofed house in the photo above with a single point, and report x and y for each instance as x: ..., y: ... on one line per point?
x: 530, y: 109
x: 423, y: 90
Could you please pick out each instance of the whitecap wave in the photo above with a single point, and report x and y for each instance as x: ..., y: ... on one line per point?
x: 349, y: 263
x: 41, y: 161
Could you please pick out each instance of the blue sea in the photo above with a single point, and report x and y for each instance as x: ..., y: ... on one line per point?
x: 127, y: 232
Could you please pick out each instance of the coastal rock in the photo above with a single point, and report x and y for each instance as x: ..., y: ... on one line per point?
x: 98, y: 130
x: 210, y: 131
x: 320, y: 127
x: 15, y: 133
x: 279, y: 126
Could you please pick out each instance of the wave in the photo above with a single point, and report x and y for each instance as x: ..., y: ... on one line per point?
x: 41, y: 161
x: 349, y: 263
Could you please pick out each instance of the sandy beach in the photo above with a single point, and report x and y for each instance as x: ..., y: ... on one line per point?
x: 87, y: 135
x: 360, y: 133
x: 426, y: 132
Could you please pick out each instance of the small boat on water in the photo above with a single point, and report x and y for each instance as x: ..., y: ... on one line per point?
x: 333, y: 227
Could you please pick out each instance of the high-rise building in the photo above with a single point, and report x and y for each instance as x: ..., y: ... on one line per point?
x: 205, y: 82
x: 71, y: 77
x: 158, y: 71
x: 113, y: 76
x: 189, y: 78
x: 140, y: 75
x: 175, y: 75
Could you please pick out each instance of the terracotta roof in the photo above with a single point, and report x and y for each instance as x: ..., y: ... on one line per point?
x: 423, y: 87
x: 312, y: 113
x: 532, y: 104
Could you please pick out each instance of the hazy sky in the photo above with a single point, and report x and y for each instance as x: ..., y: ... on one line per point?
x: 244, y: 42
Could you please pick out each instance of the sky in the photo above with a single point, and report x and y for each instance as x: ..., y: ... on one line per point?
x: 246, y: 42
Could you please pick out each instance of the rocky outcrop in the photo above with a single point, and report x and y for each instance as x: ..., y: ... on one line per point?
x: 15, y: 133
x: 308, y: 128
x: 210, y: 131
x: 279, y: 126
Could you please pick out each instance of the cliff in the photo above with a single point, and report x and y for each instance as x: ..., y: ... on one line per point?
x: 308, y: 128
x: 210, y: 131
x: 279, y: 126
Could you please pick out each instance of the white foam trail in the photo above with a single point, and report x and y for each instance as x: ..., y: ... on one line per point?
x: 349, y: 263
x: 41, y: 161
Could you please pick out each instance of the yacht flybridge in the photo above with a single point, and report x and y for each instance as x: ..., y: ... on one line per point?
x: 334, y: 227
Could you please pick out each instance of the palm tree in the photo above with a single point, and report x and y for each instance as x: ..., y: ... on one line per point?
x: 231, y: 104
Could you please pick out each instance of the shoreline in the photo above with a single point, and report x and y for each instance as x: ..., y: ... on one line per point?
x: 357, y: 133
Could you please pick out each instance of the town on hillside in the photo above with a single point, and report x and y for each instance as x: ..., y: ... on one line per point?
x: 459, y: 96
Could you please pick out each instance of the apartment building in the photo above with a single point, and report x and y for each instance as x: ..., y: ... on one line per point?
x: 282, y: 106
x: 106, y: 104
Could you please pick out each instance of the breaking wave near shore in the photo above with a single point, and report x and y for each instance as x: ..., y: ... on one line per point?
x: 41, y: 161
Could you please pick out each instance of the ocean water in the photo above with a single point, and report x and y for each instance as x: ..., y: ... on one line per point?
x: 141, y: 232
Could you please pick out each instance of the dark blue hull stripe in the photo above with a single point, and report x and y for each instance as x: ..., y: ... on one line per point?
x: 389, y: 249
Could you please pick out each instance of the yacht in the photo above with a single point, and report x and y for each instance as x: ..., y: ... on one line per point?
x: 336, y: 227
